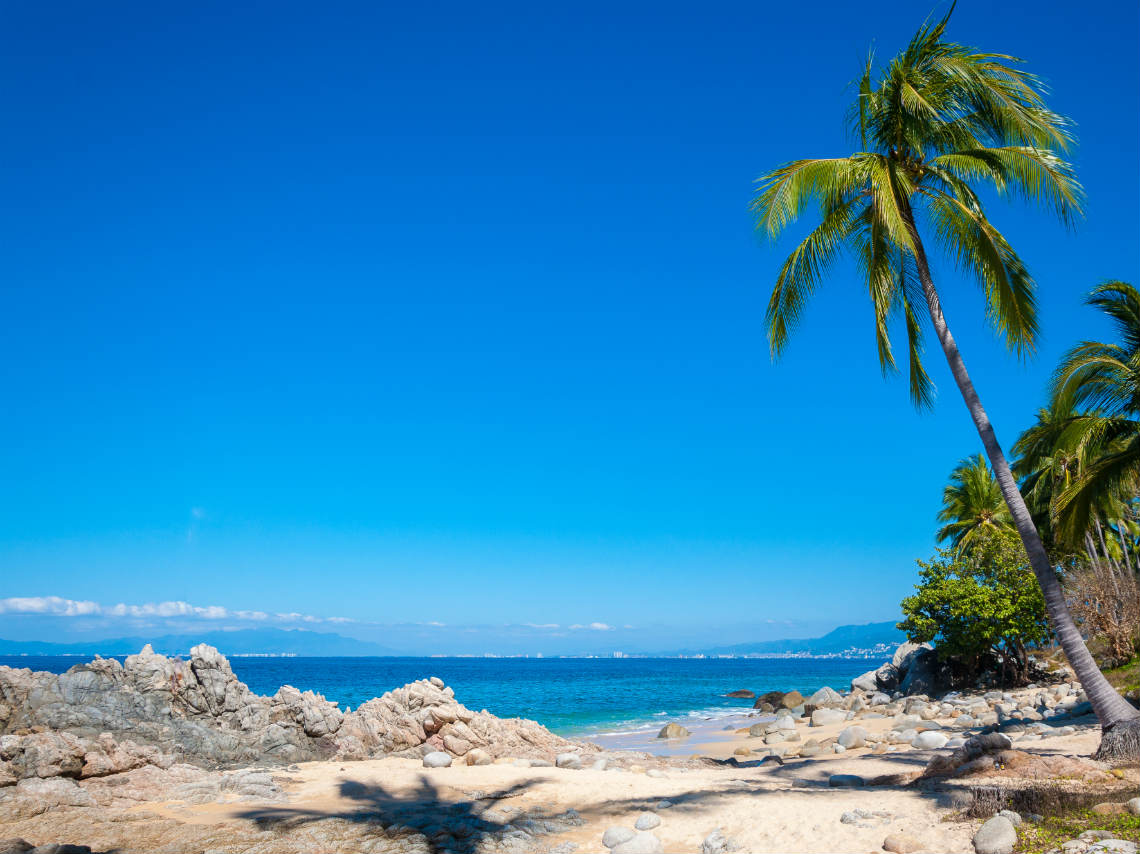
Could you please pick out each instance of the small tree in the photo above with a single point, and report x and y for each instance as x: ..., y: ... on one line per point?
x: 979, y: 607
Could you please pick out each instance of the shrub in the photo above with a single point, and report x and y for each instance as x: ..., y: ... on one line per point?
x: 979, y: 607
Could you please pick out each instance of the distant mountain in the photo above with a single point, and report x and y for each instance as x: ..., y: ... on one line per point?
x: 241, y: 642
x: 866, y: 636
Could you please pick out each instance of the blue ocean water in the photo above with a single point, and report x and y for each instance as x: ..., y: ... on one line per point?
x: 570, y: 696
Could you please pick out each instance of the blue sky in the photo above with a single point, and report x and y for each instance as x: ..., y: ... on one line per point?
x: 410, y: 314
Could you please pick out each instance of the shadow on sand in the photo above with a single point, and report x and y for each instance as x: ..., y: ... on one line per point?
x: 458, y: 826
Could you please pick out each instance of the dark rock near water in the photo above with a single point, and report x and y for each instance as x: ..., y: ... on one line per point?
x: 742, y: 694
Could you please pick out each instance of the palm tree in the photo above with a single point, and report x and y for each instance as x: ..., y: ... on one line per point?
x: 935, y: 124
x: 1104, y: 378
x: 972, y: 505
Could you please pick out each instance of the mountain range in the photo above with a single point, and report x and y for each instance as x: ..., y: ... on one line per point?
x: 309, y: 643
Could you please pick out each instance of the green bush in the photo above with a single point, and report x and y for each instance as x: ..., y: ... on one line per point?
x: 979, y: 607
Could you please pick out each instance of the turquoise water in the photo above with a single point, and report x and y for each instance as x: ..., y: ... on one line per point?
x: 570, y: 696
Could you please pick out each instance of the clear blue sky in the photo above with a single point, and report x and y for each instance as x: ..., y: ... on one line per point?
x: 410, y: 313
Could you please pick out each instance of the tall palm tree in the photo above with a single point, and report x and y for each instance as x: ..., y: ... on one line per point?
x: 1105, y: 379
x: 936, y: 124
x: 972, y: 505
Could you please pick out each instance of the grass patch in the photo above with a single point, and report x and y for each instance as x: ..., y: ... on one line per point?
x: 1125, y: 678
x: 1057, y: 830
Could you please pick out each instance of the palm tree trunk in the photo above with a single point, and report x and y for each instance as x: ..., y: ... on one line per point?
x: 1111, y: 709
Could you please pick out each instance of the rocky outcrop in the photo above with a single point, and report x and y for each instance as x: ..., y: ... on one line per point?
x: 104, y: 718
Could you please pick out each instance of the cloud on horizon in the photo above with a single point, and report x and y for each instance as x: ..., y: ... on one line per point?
x: 58, y: 606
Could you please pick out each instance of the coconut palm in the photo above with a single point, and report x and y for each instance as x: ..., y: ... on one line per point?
x: 972, y: 505
x: 1105, y: 379
x: 936, y: 125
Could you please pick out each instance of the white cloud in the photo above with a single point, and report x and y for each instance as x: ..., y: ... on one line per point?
x: 57, y: 606
x: 597, y: 627
x: 49, y: 605
x: 542, y: 625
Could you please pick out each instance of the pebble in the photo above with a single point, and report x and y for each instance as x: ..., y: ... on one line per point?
x: 616, y: 836
x: 647, y: 821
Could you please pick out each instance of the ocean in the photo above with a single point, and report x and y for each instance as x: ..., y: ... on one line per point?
x: 571, y: 696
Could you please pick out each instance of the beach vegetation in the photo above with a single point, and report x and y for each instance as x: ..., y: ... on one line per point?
x: 937, y: 126
x: 981, y: 607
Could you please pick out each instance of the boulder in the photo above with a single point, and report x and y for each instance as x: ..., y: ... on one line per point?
x: 568, y: 760
x: 900, y: 843
x: 1134, y: 806
x: 153, y: 708
x: 641, y: 843
x: 437, y: 759
x: 887, y: 677
x: 742, y: 694
x: 771, y: 698
x: 647, y: 821
x: 904, y: 654
x: 996, y: 836
x: 824, y: 717
x: 790, y: 700
x: 924, y: 674
x: 672, y: 730
x: 845, y: 781
x: 616, y: 836
x: 479, y: 756
x: 866, y: 682
x: 853, y: 736
x: 929, y: 740
x: 825, y: 696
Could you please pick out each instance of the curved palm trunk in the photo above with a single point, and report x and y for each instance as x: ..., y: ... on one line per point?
x: 1111, y: 709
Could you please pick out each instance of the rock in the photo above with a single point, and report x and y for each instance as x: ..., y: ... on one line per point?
x: 790, y: 700
x: 742, y: 693
x: 742, y: 751
x: 647, y: 821
x: 717, y: 843
x: 771, y: 699
x: 905, y: 654
x: 774, y: 738
x: 824, y: 717
x: 887, y: 677
x: 568, y: 760
x: 600, y: 764
x: 866, y: 682
x: 1014, y: 818
x: 437, y: 759
x: 1134, y: 806
x: 845, y: 781
x: 479, y: 756
x: 879, y: 699
x: 786, y: 723
x: 1110, y: 808
x: 924, y: 674
x: 853, y: 736
x: 616, y: 836
x: 929, y: 740
x: 154, y: 708
x: 758, y: 730
x: 996, y: 836
x: 825, y: 697
x: 654, y: 772
x: 673, y: 731
x: 900, y: 843
x: 15, y: 845
x: 642, y: 843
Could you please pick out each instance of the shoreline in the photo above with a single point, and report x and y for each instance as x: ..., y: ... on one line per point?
x: 416, y: 772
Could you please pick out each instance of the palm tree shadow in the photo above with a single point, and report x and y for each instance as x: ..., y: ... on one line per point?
x: 459, y: 827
